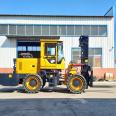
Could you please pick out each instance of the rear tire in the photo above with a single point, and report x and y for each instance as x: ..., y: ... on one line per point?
x: 76, y: 84
x: 32, y: 83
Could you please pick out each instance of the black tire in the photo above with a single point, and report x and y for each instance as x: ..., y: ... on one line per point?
x: 32, y: 83
x: 76, y: 84
x: 44, y: 82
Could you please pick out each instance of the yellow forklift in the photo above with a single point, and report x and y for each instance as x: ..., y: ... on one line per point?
x: 33, y: 73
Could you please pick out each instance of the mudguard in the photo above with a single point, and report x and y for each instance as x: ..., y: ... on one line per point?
x: 9, y: 79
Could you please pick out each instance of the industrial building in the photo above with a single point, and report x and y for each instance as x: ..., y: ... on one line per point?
x: 21, y: 33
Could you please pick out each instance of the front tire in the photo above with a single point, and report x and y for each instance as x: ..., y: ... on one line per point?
x: 32, y: 83
x: 76, y: 84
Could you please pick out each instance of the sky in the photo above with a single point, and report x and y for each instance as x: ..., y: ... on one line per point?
x: 56, y: 7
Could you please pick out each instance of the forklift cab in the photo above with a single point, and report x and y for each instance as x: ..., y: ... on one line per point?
x: 52, y: 54
x: 51, y: 57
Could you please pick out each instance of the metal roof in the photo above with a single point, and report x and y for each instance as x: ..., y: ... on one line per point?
x: 25, y: 15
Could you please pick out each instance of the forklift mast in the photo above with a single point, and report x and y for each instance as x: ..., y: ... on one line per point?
x: 84, y: 44
x: 86, y: 69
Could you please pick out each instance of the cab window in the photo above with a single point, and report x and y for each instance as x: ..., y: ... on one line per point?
x: 50, y: 49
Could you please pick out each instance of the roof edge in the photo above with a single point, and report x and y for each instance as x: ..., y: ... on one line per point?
x: 29, y: 15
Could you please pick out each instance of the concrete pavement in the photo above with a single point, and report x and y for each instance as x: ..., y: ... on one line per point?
x: 58, y: 107
x: 100, y: 90
x: 97, y: 101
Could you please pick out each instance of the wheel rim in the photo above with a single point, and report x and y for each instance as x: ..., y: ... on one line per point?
x: 33, y: 83
x: 76, y: 84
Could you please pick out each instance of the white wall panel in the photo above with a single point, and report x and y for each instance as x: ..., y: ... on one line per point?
x: 54, y: 20
x: 7, y: 52
x: 8, y: 47
x: 94, y: 42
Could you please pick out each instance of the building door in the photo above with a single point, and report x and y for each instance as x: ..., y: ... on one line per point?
x: 28, y: 47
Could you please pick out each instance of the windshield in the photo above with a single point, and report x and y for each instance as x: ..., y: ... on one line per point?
x: 60, y: 52
x: 50, y: 49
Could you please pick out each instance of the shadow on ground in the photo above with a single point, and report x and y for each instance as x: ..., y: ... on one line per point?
x: 104, y: 86
x: 21, y: 90
x: 5, y: 90
x: 56, y: 89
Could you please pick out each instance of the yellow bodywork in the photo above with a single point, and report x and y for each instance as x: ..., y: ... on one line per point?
x: 27, y: 65
x: 44, y: 62
x: 71, y: 70
x: 33, y: 65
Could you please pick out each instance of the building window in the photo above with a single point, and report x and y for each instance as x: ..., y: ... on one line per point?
x: 33, y: 48
x: 21, y: 30
x: 29, y: 30
x: 78, y: 30
x: 62, y: 30
x: 76, y: 55
x: 12, y: 29
x: 95, y: 56
x: 86, y: 30
x: 37, y: 30
x: 21, y: 48
x: 45, y: 30
x: 102, y: 30
x: 94, y: 30
x: 70, y: 30
x: 54, y: 30
x: 3, y: 29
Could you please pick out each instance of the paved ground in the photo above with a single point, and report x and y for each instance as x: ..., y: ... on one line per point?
x: 97, y: 101
x: 58, y: 107
x: 100, y: 90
